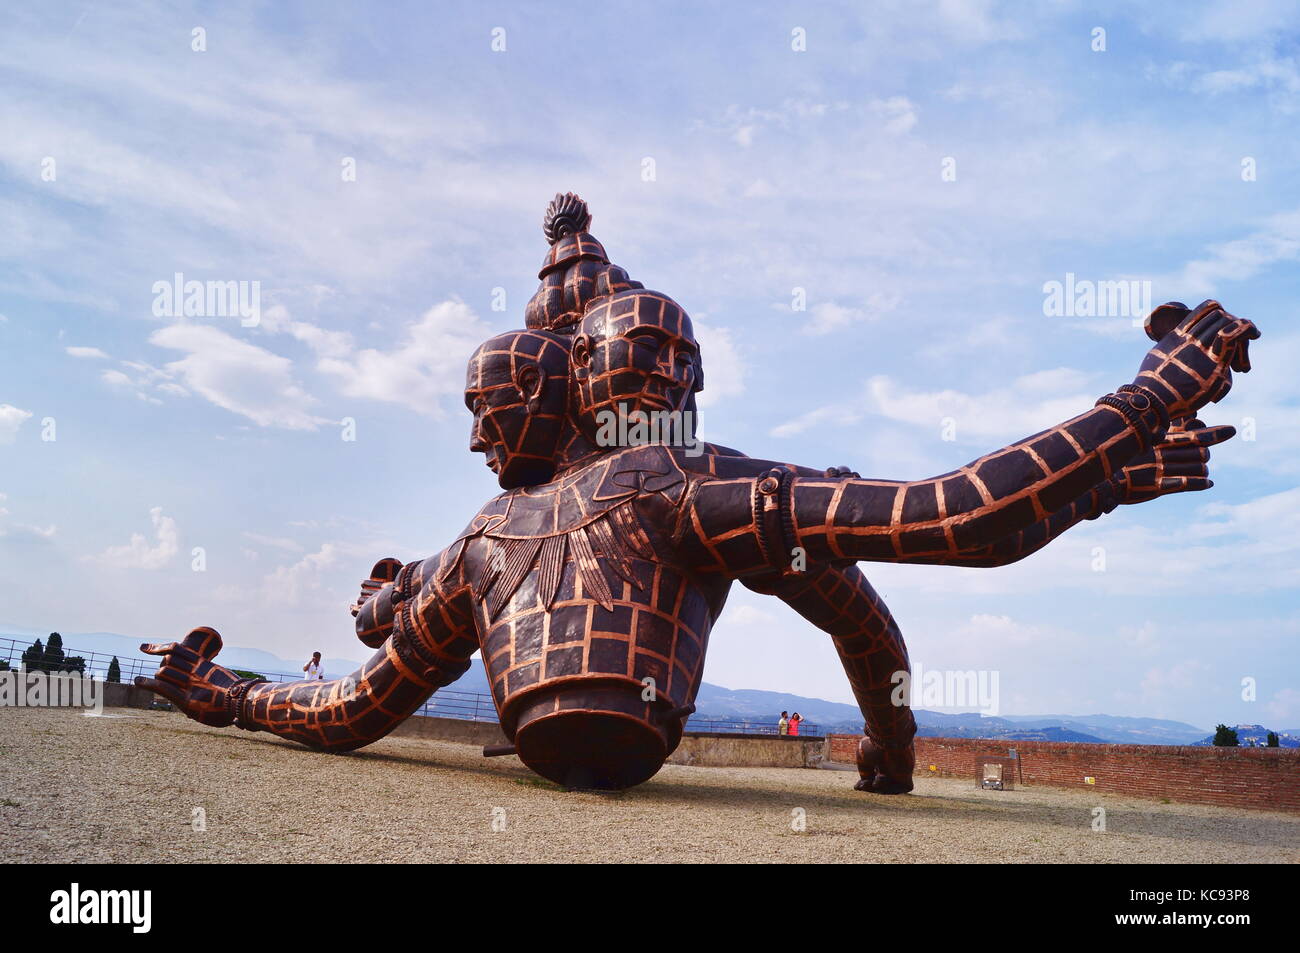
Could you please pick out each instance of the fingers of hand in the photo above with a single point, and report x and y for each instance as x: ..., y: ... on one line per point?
x: 1185, y: 454
x: 1184, y: 484
x: 1165, y: 318
x: 1190, y: 468
x: 1219, y: 389
x: 386, y: 569
x: 203, y: 642
x: 1240, y: 335
x: 168, y: 691
x: 1195, y: 316
x: 1210, y: 436
x: 178, y: 677
x: 158, y: 648
x: 1207, y: 329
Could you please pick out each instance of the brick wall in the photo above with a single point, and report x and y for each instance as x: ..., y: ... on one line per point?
x: 1266, y: 778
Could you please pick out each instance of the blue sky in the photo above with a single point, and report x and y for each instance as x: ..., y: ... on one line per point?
x: 774, y: 169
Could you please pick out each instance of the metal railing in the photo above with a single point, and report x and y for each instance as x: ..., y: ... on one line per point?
x: 806, y: 728
x: 97, y: 663
x: 447, y: 703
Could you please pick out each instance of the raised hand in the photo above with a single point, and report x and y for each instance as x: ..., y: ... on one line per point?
x: 1192, y: 362
x: 1178, y: 465
x: 375, y: 615
x: 193, y: 682
x: 384, y: 572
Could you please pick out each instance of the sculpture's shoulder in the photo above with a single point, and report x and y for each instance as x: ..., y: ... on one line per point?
x: 580, y: 496
x: 724, y: 463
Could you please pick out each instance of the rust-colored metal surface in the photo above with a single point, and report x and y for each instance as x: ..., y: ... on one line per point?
x: 591, y: 584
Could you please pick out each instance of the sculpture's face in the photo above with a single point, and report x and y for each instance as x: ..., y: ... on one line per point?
x: 635, y: 351
x: 516, y: 386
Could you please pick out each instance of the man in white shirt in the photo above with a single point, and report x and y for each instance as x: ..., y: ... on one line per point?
x: 315, y: 671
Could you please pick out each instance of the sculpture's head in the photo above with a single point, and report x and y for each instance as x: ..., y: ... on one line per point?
x: 576, y: 270
x: 634, y: 351
x: 517, y: 386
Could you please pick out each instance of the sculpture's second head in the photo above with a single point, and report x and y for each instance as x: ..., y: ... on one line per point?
x: 634, y: 351
x: 516, y: 386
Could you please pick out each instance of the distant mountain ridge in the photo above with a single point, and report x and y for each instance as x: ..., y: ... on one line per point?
x: 746, y: 704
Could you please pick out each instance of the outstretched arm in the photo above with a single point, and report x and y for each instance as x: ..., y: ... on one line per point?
x: 742, y: 526
x: 429, y: 646
x: 1177, y: 465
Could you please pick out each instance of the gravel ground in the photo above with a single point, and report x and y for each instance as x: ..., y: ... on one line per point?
x: 124, y: 787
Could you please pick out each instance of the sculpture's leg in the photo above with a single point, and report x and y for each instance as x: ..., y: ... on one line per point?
x: 841, y: 602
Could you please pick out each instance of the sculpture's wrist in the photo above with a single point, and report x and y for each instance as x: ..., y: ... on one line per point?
x: 237, y: 699
x: 422, y: 659
x: 1144, y: 410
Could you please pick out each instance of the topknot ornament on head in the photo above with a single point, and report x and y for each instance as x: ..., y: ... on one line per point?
x: 576, y: 271
x: 565, y: 215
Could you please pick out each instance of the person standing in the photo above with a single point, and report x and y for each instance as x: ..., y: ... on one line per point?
x: 783, y: 725
x: 793, y: 727
x: 314, y: 669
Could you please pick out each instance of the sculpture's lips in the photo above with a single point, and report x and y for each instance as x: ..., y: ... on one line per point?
x: 655, y: 400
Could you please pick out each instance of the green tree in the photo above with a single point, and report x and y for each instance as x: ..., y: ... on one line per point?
x: 34, y: 657
x: 54, y: 653
x: 1272, y: 740
x: 114, y: 671
x: 1225, y: 737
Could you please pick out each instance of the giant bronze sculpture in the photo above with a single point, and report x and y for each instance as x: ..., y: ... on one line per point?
x: 591, y: 584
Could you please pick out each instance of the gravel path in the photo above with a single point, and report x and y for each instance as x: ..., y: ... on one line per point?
x: 124, y: 787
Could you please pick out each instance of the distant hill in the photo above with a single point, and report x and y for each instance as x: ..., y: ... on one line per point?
x: 745, y: 704
x: 1053, y: 733
x: 1258, y: 735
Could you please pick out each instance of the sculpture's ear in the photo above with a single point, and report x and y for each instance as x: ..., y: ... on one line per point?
x: 581, y: 352
x: 530, y: 380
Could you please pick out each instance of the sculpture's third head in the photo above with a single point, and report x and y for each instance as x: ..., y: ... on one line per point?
x: 516, y: 386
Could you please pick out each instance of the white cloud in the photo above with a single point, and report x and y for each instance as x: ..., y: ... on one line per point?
x: 1284, y: 708
x: 898, y: 112
x: 277, y: 542
x: 92, y: 353
x: 237, y: 376
x: 724, y: 370
x: 139, y: 553
x: 428, y: 366
x: 837, y: 414
x: 11, y: 418
x: 1026, y: 405
x: 1241, y: 258
x: 287, y: 585
x: 827, y: 316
